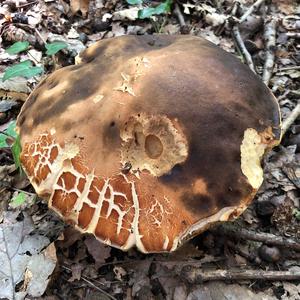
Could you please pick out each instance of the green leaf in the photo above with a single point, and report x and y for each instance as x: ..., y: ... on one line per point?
x: 3, y: 143
x: 162, y: 8
x: 23, y: 69
x: 134, y: 2
x: 17, y: 47
x: 11, y: 129
x: 296, y: 213
x: 16, y: 150
x: 18, y: 200
x: 9, y: 132
x: 54, y: 47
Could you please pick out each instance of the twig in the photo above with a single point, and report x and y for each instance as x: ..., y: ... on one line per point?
x: 99, y: 289
x: 45, y: 43
x: 37, y: 62
x: 235, y: 7
x: 267, y: 238
x: 179, y: 15
x: 92, y: 284
x: 290, y: 119
x: 230, y: 20
x: 26, y: 4
x: 197, y: 275
x: 8, y: 135
x: 270, y: 44
x: 21, y: 191
x: 40, y: 36
x: 288, y: 68
x: 242, y: 48
x: 250, y: 10
x: 293, y: 35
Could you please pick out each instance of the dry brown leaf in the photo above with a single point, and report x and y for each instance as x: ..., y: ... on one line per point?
x: 80, y: 5
x: 99, y: 251
x: 221, y: 291
x: 25, y: 268
x: 76, y: 272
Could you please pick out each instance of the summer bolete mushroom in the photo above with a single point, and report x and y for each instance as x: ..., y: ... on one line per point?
x: 149, y: 139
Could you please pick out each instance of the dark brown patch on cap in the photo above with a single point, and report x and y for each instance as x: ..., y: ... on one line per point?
x: 203, y: 204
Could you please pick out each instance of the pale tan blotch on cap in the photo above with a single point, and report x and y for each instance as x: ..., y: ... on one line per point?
x: 152, y: 143
x: 148, y: 140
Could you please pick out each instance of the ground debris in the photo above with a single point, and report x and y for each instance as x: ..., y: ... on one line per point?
x: 25, y: 266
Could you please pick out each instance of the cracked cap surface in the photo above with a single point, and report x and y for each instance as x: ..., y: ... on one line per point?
x: 149, y: 139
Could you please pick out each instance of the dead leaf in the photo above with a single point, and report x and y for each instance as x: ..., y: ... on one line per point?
x: 117, y: 29
x: 208, y: 34
x: 17, y: 84
x: 287, y: 6
x: 130, y: 14
x: 292, y: 73
x: 74, y: 45
x: 220, y: 291
x: 6, y: 105
x: 35, y: 56
x: 99, y: 251
x: 22, y: 259
x: 215, y: 19
x: 171, y: 29
x: 70, y: 236
x: 139, y: 278
x: 291, y: 291
x: 14, y: 96
x: 80, y: 5
x: 119, y: 272
x: 76, y: 272
x: 180, y: 292
x: 73, y: 34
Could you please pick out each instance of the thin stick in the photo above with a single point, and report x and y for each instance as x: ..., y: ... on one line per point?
x: 44, y: 41
x: 286, y: 124
x: 243, y: 49
x: 288, y: 68
x: 179, y: 15
x: 198, y: 275
x: 40, y: 36
x: 293, y: 34
x: 99, y: 289
x: 270, y: 42
x: 267, y: 238
x: 250, y: 10
x: 21, y: 191
x: 26, y: 4
x: 92, y: 284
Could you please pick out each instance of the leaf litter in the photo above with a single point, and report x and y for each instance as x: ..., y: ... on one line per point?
x: 25, y: 266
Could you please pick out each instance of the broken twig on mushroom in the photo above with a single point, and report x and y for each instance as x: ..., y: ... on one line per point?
x: 267, y: 238
x: 251, y: 9
x: 242, y: 47
x: 290, y: 119
x: 197, y: 275
x: 270, y: 43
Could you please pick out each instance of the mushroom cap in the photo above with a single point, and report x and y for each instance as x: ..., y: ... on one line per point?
x: 149, y: 139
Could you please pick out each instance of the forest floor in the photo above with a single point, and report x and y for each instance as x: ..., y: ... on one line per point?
x: 256, y: 256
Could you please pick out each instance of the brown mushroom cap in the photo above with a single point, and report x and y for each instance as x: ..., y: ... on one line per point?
x: 149, y: 139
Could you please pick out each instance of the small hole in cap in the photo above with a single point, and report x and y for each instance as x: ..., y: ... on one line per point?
x: 153, y: 146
